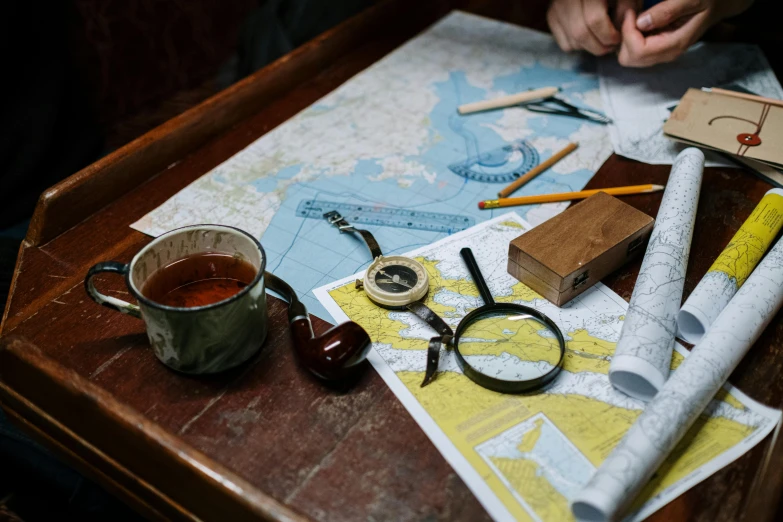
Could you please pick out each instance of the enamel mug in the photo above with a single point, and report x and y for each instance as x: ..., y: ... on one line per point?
x: 203, y: 339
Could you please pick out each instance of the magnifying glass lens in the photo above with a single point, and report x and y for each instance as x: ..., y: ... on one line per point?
x: 509, y: 345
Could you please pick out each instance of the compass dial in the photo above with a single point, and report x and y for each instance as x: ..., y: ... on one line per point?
x: 395, y: 281
x: 396, y: 278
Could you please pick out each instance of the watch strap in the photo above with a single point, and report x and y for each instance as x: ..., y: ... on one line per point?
x: 340, y: 222
x: 433, y: 356
x: 435, y: 345
x: 423, y: 312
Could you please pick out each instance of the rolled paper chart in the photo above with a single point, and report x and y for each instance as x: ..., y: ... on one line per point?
x: 686, y: 394
x: 643, y: 355
x: 732, y: 267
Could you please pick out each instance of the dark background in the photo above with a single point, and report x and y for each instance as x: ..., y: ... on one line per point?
x: 81, y: 79
x: 84, y: 77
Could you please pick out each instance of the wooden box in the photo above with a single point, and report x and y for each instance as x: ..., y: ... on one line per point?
x: 563, y: 257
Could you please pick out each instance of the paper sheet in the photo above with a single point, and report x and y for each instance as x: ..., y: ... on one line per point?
x: 644, y: 351
x: 388, y: 150
x: 686, y: 394
x: 639, y: 100
x: 526, y: 456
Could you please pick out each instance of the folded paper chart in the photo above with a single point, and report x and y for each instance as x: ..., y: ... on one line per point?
x: 388, y: 149
x: 639, y: 101
x: 749, y: 129
x: 525, y: 457
x: 641, y: 362
x: 685, y: 395
x: 732, y: 267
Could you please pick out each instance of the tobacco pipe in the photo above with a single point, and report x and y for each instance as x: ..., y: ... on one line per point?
x: 332, y: 356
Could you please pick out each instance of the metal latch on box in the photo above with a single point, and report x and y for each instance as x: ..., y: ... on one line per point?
x: 581, y: 279
x: 633, y: 245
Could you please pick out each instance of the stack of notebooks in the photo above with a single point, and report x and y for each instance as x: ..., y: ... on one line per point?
x: 744, y: 127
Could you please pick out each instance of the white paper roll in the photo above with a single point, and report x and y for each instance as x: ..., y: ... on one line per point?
x: 644, y: 350
x: 732, y: 267
x: 684, y: 396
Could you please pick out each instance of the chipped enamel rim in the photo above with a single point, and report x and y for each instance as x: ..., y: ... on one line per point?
x: 217, y: 228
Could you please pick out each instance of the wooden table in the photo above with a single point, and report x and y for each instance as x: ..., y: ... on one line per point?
x: 266, y: 441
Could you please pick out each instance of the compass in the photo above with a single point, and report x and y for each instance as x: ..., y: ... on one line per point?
x: 390, y: 281
x: 395, y: 281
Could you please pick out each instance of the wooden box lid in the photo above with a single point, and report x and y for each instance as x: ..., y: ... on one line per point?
x: 597, y: 232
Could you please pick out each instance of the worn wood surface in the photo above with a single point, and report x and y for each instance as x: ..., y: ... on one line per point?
x: 266, y: 440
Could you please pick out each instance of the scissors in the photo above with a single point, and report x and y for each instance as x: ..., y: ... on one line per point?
x: 555, y: 105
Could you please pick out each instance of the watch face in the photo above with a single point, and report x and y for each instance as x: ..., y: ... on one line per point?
x: 395, y: 281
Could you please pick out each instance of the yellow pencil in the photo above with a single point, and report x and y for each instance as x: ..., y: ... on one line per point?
x: 538, y: 169
x: 567, y: 196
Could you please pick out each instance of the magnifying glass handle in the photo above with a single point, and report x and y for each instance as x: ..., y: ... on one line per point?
x: 475, y: 273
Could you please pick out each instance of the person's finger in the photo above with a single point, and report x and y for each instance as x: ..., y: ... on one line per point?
x: 559, y: 34
x: 661, y: 15
x: 668, y: 45
x: 555, y: 14
x: 574, y: 25
x: 640, y: 51
x: 633, y: 40
x: 631, y: 52
x: 621, y: 7
x: 557, y: 31
x: 568, y: 12
x: 596, y: 16
x: 564, y: 11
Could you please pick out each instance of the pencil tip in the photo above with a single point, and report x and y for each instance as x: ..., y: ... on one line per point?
x: 658, y: 187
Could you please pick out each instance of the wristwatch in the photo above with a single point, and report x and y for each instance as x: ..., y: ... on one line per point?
x: 398, y: 282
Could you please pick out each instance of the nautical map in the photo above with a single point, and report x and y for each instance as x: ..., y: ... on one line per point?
x: 732, y: 267
x: 670, y: 415
x: 538, y: 463
x: 524, y: 456
x: 390, y: 143
x: 644, y: 349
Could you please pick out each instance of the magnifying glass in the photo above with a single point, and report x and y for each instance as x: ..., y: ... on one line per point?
x: 505, y: 347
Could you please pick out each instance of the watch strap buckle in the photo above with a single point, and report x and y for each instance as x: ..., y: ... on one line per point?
x: 336, y: 219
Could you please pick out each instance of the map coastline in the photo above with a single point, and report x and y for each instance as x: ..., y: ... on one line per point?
x: 735, y: 423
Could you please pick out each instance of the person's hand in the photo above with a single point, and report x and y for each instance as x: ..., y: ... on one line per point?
x: 666, y: 30
x: 586, y: 24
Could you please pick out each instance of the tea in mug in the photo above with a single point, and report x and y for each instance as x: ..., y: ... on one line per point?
x: 199, y: 280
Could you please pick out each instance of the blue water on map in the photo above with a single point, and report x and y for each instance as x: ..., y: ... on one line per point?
x: 310, y: 253
x: 562, y: 465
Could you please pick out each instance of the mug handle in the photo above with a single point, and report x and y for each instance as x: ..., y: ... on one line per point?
x: 106, y: 300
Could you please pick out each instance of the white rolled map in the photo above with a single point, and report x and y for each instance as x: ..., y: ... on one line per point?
x: 685, y: 395
x: 732, y: 267
x: 643, y: 354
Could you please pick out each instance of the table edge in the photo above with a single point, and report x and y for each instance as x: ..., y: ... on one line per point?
x: 118, y: 429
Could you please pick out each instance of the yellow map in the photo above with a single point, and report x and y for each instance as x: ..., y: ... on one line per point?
x: 751, y: 241
x: 524, y: 456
